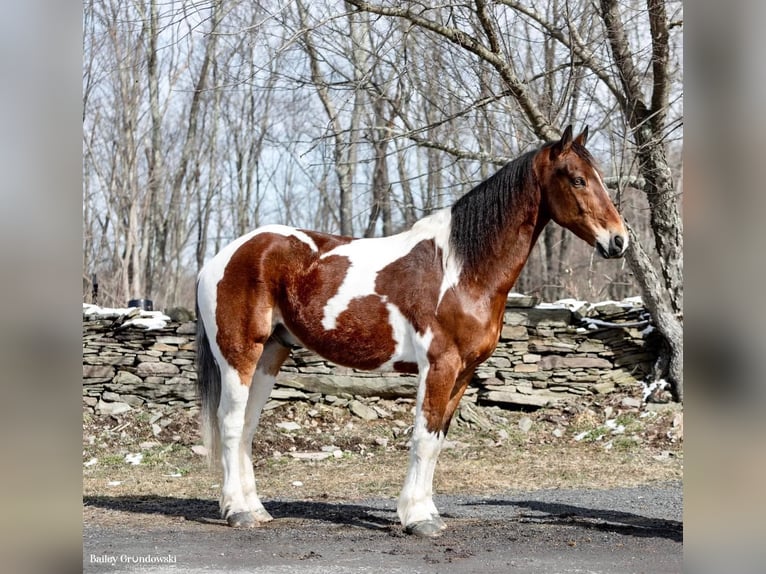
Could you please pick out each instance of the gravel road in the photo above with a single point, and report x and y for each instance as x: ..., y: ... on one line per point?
x: 624, y: 530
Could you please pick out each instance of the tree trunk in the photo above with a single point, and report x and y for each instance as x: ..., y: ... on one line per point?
x: 659, y: 306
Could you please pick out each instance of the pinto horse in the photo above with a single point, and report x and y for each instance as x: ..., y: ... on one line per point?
x: 429, y: 301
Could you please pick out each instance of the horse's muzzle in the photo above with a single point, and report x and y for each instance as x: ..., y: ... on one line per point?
x: 616, y: 246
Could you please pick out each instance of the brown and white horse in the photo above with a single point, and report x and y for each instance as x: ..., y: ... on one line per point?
x: 428, y: 301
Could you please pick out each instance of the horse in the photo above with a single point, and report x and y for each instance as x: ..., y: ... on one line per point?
x: 428, y: 301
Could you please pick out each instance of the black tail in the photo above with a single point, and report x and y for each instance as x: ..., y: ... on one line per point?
x: 208, y: 390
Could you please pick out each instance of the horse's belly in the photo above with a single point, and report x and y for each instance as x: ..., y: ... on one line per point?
x: 369, y: 334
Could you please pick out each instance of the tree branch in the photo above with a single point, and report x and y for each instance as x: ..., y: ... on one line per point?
x: 539, y: 124
x: 576, y: 45
x: 486, y: 24
x: 658, y: 23
x: 633, y: 104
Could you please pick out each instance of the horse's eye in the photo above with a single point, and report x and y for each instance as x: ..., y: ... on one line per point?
x: 578, y: 182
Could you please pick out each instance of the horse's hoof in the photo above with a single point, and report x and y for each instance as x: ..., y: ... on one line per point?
x: 439, y: 522
x: 242, y: 520
x: 262, y: 515
x: 426, y: 528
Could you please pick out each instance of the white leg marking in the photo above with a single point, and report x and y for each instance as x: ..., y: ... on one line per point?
x: 231, y: 417
x: 260, y: 390
x: 416, y: 499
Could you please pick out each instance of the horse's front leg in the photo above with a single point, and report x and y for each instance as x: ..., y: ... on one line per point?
x: 438, y: 395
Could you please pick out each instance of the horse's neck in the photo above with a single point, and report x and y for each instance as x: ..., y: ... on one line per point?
x: 497, y: 275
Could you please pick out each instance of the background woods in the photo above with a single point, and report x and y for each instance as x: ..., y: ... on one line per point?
x: 204, y: 119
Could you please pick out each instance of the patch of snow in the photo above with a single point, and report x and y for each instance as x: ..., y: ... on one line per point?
x: 149, y: 323
x: 572, y: 304
x: 660, y: 384
x: 288, y: 426
x: 145, y: 319
x: 595, y: 323
x: 91, y: 462
x: 134, y: 458
x: 628, y: 302
x: 550, y: 306
x: 614, y: 427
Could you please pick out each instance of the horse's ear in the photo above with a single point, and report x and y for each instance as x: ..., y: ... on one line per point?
x: 560, y: 146
x: 582, y: 138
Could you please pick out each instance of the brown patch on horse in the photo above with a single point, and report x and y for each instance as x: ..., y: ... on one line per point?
x: 466, y: 325
x: 421, y: 267
x: 306, y: 292
x: 363, y: 337
x: 465, y: 335
x: 326, y: 241
x: 246, y: 289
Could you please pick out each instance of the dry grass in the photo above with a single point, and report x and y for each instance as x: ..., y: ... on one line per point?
x: 646, y: 449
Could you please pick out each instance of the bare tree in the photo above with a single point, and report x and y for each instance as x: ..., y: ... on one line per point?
x: 475, y: 30
x: 203, y: 120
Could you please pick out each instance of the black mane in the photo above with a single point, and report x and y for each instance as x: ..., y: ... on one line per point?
x: 480, y: 215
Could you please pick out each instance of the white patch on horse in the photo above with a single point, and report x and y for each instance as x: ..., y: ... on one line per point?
x: 440, y: 226
x: 402, y: 331
x: 411, y: 346
x: 288, y: 232
x: 231, y: 416
x: 367, y: 257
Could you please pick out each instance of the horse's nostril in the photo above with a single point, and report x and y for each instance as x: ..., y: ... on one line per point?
x: 618, y: 241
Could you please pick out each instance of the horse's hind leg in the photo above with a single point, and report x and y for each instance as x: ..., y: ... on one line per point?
x: 272, y: 357
x: 231, y: 418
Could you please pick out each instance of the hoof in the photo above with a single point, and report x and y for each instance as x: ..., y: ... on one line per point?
x: 426, y: 528
x: 242, y: 520
x: 439, y: 522
x: 262, y: 515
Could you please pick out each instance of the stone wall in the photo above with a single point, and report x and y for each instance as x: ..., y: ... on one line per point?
x: 546, y: 353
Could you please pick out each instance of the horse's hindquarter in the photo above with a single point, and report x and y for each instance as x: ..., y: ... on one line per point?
x: 367, y: 303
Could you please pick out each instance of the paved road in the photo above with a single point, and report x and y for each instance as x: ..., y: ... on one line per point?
x: 627, y: 530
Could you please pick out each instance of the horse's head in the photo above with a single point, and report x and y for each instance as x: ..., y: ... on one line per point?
x: 575, y: 195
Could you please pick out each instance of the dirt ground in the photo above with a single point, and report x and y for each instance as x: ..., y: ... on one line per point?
x: 596, y: 444
x: 593, y: 486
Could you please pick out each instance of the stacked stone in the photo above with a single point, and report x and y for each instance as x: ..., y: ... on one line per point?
x: 547, y: 353
x: 129, y: 367
x: 308, y: 372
